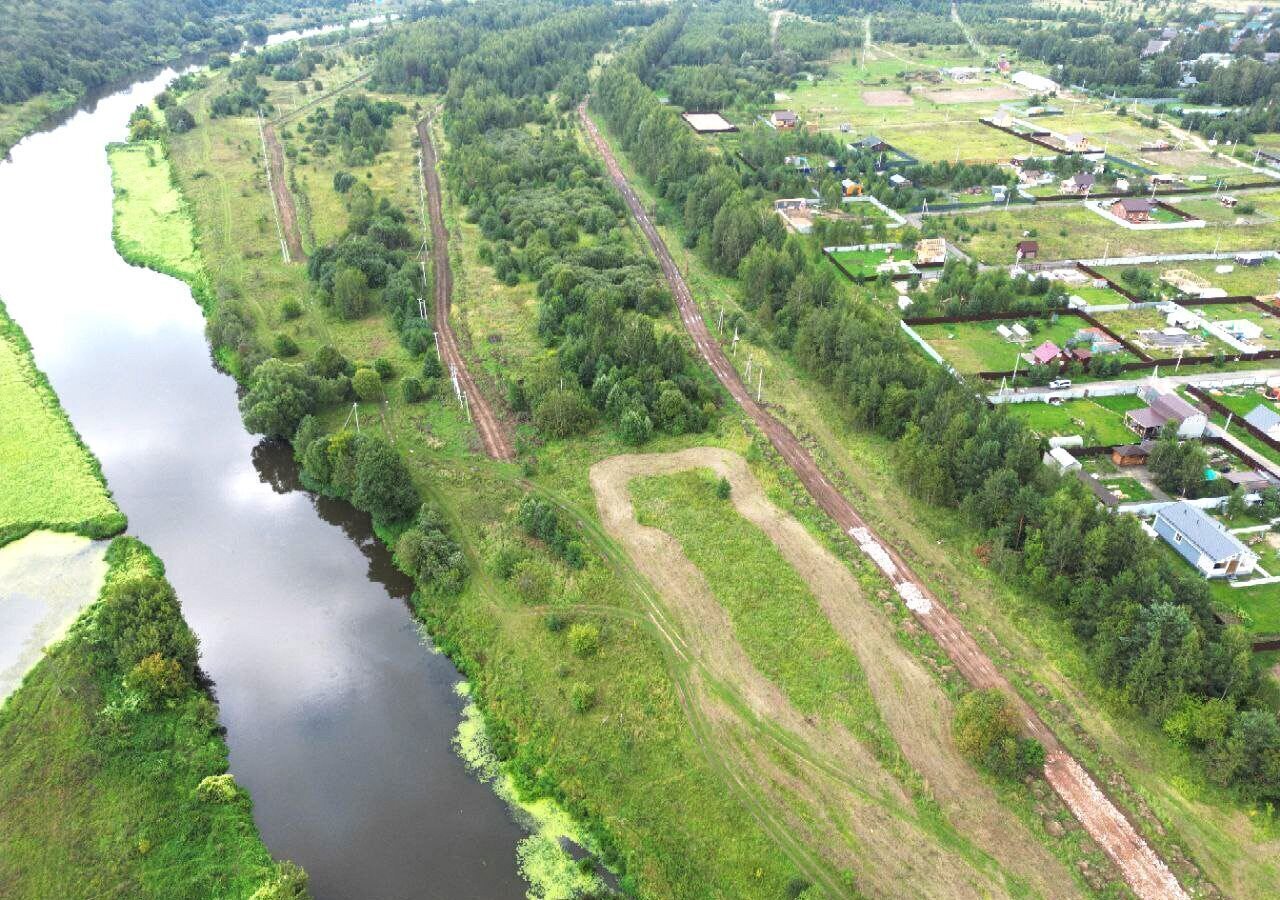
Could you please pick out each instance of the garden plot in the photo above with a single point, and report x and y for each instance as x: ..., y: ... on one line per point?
x: 1239, y: 281
x: 1246, y: 313
x: 861, y: 264
x: 976, y: 347
x: 1139, y: 327
x: 887, y: 98
x: 1097, y: 424
x: 989, y: 94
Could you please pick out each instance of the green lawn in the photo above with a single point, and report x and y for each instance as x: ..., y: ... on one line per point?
x: 152, y: 226
x: 975, y: 346
x: 862, y: 263
x: 48, y: 478
x: 1241, y: 281
x: 1258, y: 607
x: 1165, y: 216
x: 1126, y: 489
x: 1098, y: 425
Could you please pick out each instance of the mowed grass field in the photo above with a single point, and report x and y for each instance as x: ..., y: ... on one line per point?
x: 48, y: 478
x: 863, y: 263
x: 1241, y: 281
x: 152, y: 226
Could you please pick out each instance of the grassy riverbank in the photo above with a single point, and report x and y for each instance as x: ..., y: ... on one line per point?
x: 100, y: 788
x: 151, y: 225
x: 48, y: 478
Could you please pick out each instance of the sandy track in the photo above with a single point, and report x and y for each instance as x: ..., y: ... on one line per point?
x: 888, y: 848
x: 1143, y: 870
x: 286, y: 212
x: 497, y: 443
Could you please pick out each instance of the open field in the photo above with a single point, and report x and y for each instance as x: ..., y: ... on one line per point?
x: 994, y: 94
x: 963, y: 139
x: 1098, y: 425
x: 739, y: 549
x: 48, y: 478
x: 1241, y: 281
x: 151, y: 222
x: 1069, y: 231
x: 975, y: 346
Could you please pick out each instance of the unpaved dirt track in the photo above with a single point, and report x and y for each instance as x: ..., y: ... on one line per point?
x: 910, y: 701
x: 1143, y: 870
x: 497, y: 443
x: 282, y: 198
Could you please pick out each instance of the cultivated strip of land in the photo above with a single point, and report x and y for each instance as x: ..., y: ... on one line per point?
x: 1143, y: 870
x: 497, y: 443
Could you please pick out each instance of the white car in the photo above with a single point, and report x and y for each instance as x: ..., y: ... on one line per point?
x: 1059, y: 384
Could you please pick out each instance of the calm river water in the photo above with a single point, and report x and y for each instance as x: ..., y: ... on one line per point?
x: 339, y: 719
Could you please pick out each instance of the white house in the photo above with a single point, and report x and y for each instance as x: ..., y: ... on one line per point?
x: 1203, y: 541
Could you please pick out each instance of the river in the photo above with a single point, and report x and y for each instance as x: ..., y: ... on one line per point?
x: 339, y: 717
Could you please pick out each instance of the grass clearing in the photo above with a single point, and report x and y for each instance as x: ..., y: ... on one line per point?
x: 975, y: 347
x: 48, y: 478
x: 1097, y: 424
x: 861, y: 264
x: 151, y: 224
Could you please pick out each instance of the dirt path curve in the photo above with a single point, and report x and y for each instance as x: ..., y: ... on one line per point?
x: 286, y: 212
x: 497, y: 443
x: 1143, y: 870
x: 912, y: 704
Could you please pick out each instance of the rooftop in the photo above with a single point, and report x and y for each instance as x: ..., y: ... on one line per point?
x: 1200, y: 529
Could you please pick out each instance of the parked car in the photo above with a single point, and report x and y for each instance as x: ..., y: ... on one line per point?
x: 1059, y: 384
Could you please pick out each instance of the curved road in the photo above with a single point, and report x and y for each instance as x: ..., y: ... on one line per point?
x: 1143, y: 870
x: 497, y: 443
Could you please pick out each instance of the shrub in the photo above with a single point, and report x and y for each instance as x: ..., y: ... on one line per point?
x: 383, y: 367
x: 288, y: 883
x: 540, y: 520
x: 584, y: 639
x: 411, y: 388
x: 430, y: 556
x: 290, y: 310
x: 555, y: 622
x: 157, y: 679
x: 328, y: 362
x: 367, y: 384
x: 140, y: 616
x: 582, y: 696
x: 723, y: 488
x: 563, y: 413
x: 985, y: 730
x: 217, y: 789
x: 285, y: 346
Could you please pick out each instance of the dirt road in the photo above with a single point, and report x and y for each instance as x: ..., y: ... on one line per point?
x: 1143, y: 870
x: 286, y: 212
x: 910, y: 701
x: 497, y: 443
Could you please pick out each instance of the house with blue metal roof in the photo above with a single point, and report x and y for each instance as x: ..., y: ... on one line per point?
x: 1203, y: 541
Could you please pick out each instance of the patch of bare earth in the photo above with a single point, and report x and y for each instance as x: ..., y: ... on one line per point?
x: 911, y: 702
x: 887, y: 98
x: 972, y: 95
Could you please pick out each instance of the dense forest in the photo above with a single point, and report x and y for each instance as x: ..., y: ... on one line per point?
x: 1149, y: 626
x: 73, y: 46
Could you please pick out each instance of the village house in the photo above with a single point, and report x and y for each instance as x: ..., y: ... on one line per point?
x: 1251, y: 480
x: 1076, y: 142
x: 1203, y: 541
x: 1154, y: 47
x: 1080, y: 183
x: 1132, y: 210
x: 1266, y: 420
x: 868, y: 144
x: 1165, y: 410
x: 1046, y: 353
x: 1034, y: 82
x: 783, y: 118
x: 1027, y: 250
x: 898, y: 181
x: 1097, y: 340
